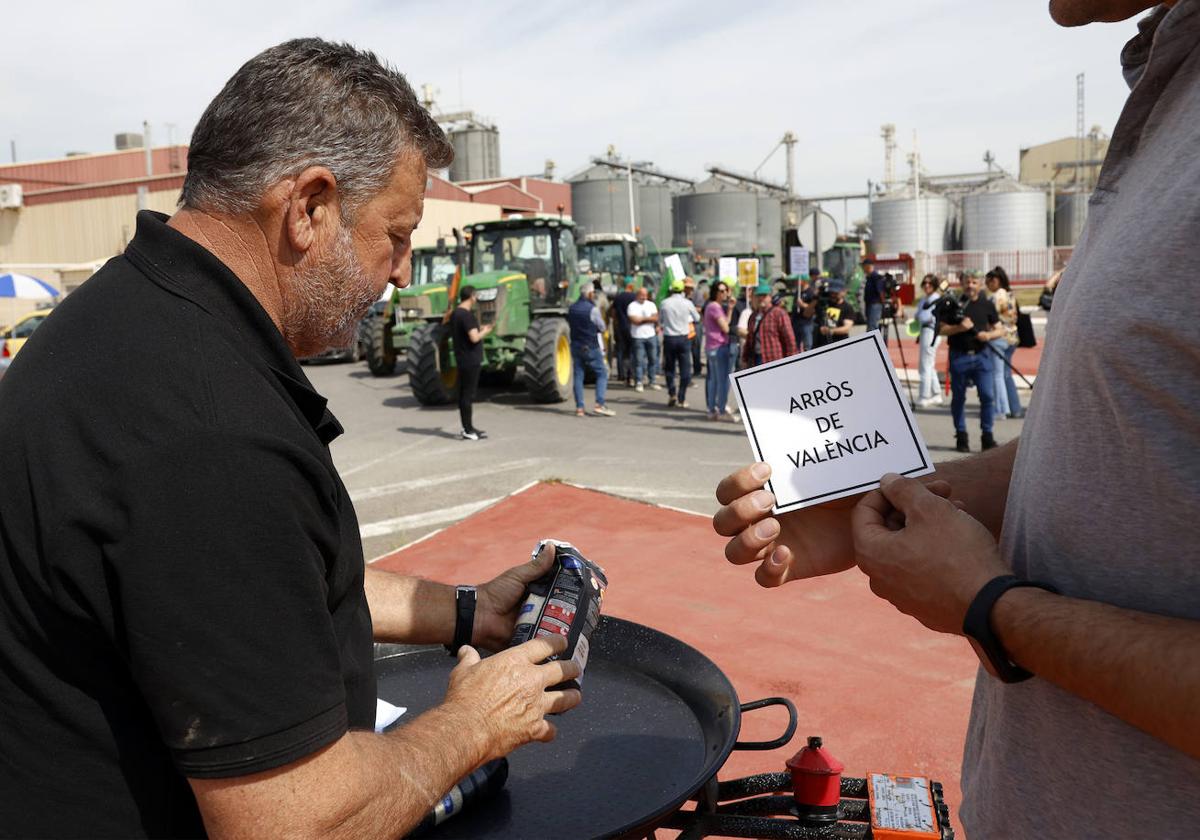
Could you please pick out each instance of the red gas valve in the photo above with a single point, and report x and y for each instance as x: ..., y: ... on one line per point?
x: 816, y: 783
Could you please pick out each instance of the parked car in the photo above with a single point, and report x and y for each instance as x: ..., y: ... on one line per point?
x: 15, y: 337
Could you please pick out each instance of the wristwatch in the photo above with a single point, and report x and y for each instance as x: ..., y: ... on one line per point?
x: 464, y: 617
x: 977, y: 626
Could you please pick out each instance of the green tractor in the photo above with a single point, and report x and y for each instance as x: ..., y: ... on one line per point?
x: 432, y: 270
x: 616, y: 260
x: 525, y: 273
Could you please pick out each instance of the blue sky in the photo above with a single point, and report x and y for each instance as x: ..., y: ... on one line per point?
x: 682, y: 84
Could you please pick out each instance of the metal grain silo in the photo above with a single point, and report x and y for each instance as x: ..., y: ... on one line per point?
x: 904, y: 225
x: 770, y: 227
x: 601, y: 204
x: 1070, y: 213
x: 654, y: 213
x: 716, y: 219
x: 1004, y: 217
x: 476, y: 153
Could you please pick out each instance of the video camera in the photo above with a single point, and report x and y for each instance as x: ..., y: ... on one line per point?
x: 949, y: 310
x: 821, y: 294
x: 890, y: 286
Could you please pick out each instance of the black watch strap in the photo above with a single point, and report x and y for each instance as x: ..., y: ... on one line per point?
x: 464, y: 618
x: 977, y: 625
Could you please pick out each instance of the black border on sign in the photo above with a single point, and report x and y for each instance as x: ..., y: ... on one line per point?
x: 837, y: 345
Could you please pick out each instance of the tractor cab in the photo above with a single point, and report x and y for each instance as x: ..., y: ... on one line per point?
x: 432, y: 265
x: 543, y: 250
x: 614, y: 259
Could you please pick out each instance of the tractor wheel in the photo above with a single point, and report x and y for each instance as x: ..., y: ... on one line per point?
x: 547, y: 360
x: 433, y: 377
x: 381, y: 358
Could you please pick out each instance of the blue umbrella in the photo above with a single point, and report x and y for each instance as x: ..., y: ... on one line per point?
x: 25, y: 287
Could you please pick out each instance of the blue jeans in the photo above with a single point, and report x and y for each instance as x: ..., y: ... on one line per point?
x: 677, y: 351
x: 805, y: 334
x: 999, y: 369
x: 874, y: 313
x: 591, y: 357
x: 646, y: 356
x: 971, y: 369
x: 1014, y: 401
x: 716, y: 386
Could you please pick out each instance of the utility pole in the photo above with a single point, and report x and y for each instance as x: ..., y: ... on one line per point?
x: 1079, y: 151
x: 12, y: 144
x: 632, y: 220
x: 916, y: 172
x: 888, y: 133
x: 146, y: 146
x: 789, y: 143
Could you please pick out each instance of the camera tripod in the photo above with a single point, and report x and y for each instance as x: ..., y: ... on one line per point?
x: 895, y: 323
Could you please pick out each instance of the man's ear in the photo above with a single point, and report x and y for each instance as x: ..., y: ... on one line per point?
x: 313, y: 208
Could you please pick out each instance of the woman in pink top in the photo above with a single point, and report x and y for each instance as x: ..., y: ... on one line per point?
x: 716, y: 349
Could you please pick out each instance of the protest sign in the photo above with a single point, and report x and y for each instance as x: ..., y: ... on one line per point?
x: 830, y: 422
x: 727, y: 270
x: 747, y: 272
x: 675, y: 267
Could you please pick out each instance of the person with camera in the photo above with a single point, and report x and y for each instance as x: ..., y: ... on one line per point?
x: 874, y: 293
x: 928, y: 340
x: 836, y: 314
x: 969, y: 324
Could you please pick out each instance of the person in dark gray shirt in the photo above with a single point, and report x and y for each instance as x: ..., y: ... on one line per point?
x: 1098, y: 734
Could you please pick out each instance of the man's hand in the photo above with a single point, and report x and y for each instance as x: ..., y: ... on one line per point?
x: 497, y: 601
x: 802, y: 544
x: 922, y: 553
x: 506, y: 693
x: 966, y: 324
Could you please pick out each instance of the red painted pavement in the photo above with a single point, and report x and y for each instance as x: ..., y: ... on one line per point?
x: 885, y: 693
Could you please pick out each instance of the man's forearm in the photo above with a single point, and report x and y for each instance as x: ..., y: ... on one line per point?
x: 1142, y: 668
x: 409, y: 610
x: 981, y: 483
x: 362, y: 786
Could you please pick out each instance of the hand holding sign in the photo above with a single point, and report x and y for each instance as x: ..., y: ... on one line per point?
x: 830, y: 422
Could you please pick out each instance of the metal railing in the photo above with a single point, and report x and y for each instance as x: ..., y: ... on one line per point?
x: 1024, y: 267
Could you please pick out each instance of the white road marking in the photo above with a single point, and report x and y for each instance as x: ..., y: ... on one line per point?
x: 649, y: 493
x: 421, y: 520
x: 379, y: 460
x: 454, y: 478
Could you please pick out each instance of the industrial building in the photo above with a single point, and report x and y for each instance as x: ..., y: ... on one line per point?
x: 62, y: 219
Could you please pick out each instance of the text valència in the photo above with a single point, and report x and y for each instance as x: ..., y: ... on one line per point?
x: 829, y: 450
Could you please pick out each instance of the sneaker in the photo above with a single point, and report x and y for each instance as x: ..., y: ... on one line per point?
x: 938, y: 400
x: 639, y: 387
x: 712, y: 415
x: 962, y: 443
x: 1016, y: 415
x: 579, y: 412
x: 466, y: 435
x: 987, y: 441
x: 671, y: 402
x: 682, y: 404
x: 655, y: 386
x: 604, y: 411
x: 925, y: 402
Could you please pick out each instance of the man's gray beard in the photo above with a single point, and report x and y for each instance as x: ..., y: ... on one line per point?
x: 327, y: 300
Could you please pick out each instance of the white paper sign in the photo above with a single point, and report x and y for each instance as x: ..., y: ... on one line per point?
x: 798, y: 260
x: 727, y: 269
x: 675, y: 266
x: 830, y: 422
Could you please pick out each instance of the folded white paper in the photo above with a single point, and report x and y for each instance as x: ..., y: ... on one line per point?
x: 386, y: 714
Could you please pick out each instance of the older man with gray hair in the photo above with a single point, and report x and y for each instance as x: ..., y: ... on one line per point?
x: 186, y: 622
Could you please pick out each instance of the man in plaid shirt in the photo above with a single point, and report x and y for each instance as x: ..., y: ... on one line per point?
x: 769, y: 335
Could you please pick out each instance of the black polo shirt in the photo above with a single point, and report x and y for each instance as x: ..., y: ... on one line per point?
x: 982, y: 313
x: 181, y: 575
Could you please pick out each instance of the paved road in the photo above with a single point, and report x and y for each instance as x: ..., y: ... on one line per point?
x: 409, y: 474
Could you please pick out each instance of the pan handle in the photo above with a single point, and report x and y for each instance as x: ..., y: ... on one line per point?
x: 778, y: 742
